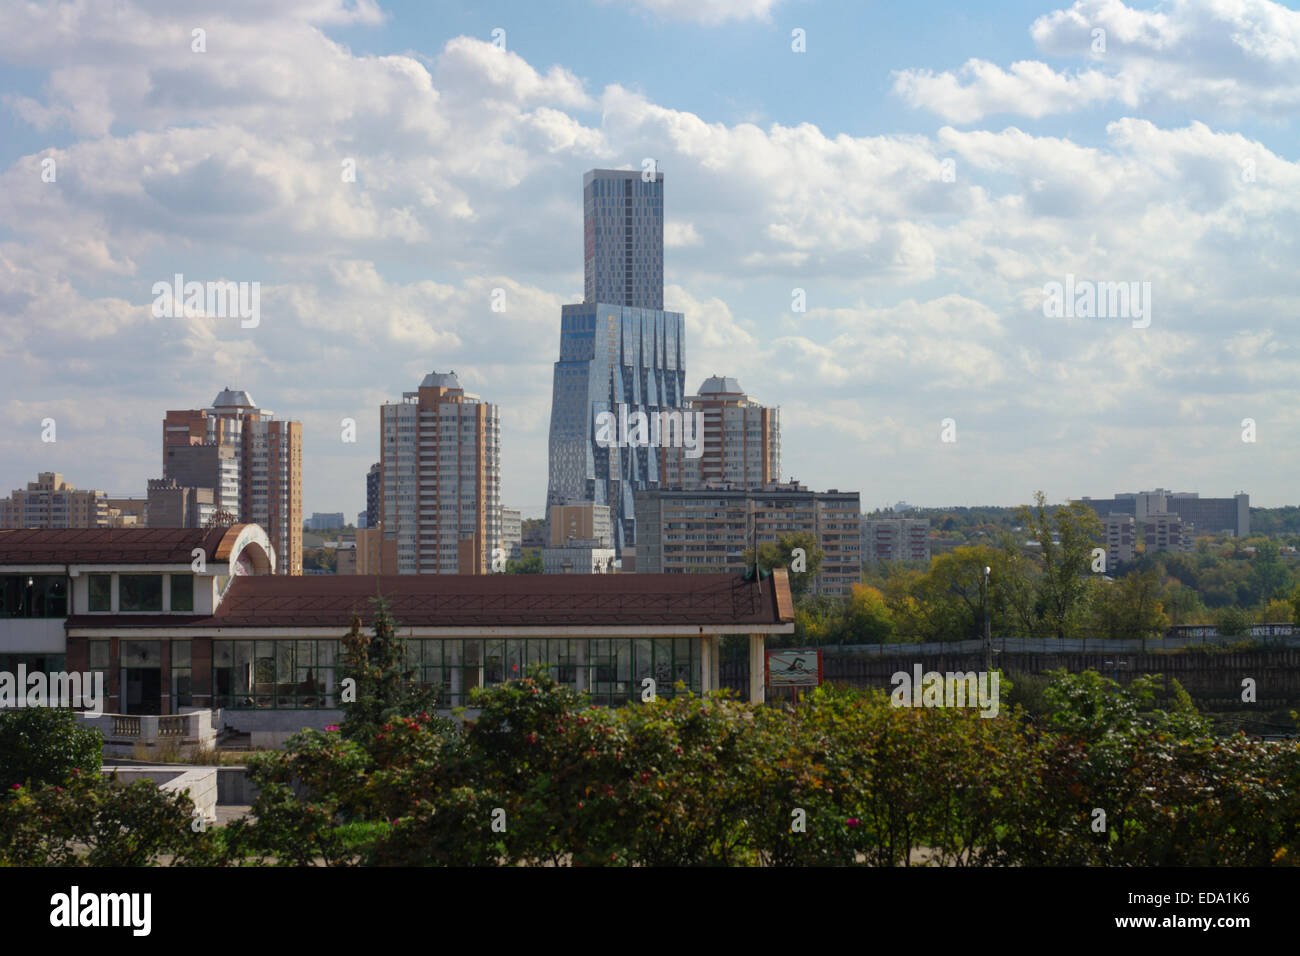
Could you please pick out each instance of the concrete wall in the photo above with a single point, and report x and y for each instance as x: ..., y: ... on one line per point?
x: 199, y: 782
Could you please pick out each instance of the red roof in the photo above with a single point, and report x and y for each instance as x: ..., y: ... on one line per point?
x: 109, y: 545
x: 489, y: 600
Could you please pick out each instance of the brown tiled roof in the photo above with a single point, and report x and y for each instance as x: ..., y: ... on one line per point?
x: 503, y: 600
x: 111, y: 545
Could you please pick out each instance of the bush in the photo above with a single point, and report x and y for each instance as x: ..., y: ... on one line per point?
x: 40, y: 745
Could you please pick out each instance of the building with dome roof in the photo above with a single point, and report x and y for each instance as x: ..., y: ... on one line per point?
x: 741, y: 442
x: 439, y: 481
x: 251, y: 461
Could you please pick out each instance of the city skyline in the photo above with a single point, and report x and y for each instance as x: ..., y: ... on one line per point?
x: 923, y: 206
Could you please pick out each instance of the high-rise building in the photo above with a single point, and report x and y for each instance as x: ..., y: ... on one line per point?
x: 740, y: 442
x: 440, y: 495
x: 251, y: 460
x: 50, y: 502
x: 709, y: 529
x: 623, y: 230
x: 895, y: 539
x: 621, y: 355
x: 374, y: 479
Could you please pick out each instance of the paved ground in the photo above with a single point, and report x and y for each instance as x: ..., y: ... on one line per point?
x: 228, y: 812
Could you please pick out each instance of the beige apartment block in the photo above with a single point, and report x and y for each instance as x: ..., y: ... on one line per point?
x: 50, y: 502
x: 580, y: 520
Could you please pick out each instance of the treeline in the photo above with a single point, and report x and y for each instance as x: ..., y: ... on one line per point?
x: 1055, y: 587
x: 1095, y: 775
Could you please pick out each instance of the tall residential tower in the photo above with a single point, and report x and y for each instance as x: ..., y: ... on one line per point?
x: 620, y: 353
x: 440, y: 480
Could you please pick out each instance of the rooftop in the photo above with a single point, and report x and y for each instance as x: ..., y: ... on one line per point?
x: 492, y: 600
x: 114, y: 545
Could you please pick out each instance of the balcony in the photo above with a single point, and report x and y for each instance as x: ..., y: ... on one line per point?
x: 143, y: 735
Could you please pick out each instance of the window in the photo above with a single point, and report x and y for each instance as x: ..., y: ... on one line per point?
x: 33, y: 595
x: 182, y: 592
x: 139, y: 592
x: 101, y: 592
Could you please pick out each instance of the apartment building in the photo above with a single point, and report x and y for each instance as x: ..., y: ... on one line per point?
x: 581, y: 520
x: 173, y: 506
x: 709, y: 529
x: 1120, y: 532
x: 740, y: 444
x: 251, y: 460
x: 50, y: 502
x: 512, y: 533
x: 440, y: 489
x: 1166, y: 532
x: 895, y: 539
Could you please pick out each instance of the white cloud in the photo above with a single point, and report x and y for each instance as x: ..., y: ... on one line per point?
x: 1221, y: 56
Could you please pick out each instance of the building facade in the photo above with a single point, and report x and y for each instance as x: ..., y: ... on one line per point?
x: 512, y: 533
x: 374, y: 485
x: 50, y: 502
x: 895, y: 539
x: 710, y: 529
x: 740, y: 444
x: 578, y: 556
x: 250, y: 459
x: 441, y: 479
x: 325, y: 521
x: 623, y: 238
x: 621, y: 355
x: 1229, y: 516
x: 266, y: 649
x: 1120, y: 532
x: 174, y: 506
x: 580, y: 520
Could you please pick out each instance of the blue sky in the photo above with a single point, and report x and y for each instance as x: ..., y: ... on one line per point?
x: 1169, y: 157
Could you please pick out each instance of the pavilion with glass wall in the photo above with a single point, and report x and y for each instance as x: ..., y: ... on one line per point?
x: 186, y: 619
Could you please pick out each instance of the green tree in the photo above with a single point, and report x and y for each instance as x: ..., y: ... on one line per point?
x: 1130, y: 607
x: 781, y: 555
x: 530, y: 563
x: 1065, y: 540
x: 385, y: 683
x: 42, y: 745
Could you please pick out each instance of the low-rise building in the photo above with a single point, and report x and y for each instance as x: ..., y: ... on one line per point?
x: 177, y: 620
x: 578, y: 556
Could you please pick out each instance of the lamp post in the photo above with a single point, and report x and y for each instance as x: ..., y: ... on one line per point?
x: 988, y: 632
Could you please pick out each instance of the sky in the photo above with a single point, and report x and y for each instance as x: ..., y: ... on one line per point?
x: 923, y: 172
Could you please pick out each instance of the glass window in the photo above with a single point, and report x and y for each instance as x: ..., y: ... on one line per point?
x: 139, y: 592
x: 100, y: 587
x: 182, y: 592
x: 99, y: 651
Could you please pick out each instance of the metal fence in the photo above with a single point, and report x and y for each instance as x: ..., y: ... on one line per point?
x: 1051, y: 645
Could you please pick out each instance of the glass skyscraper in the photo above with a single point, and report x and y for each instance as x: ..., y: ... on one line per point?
x: 618, y: 348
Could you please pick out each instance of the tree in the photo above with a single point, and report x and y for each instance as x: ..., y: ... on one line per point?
x: 530, y: 563
x: 1066, y: 555
x: 386, y: 688
x: 867, y: 618
x: 1130, y: 607
x: 43, y: 745
x: 781, y: 555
